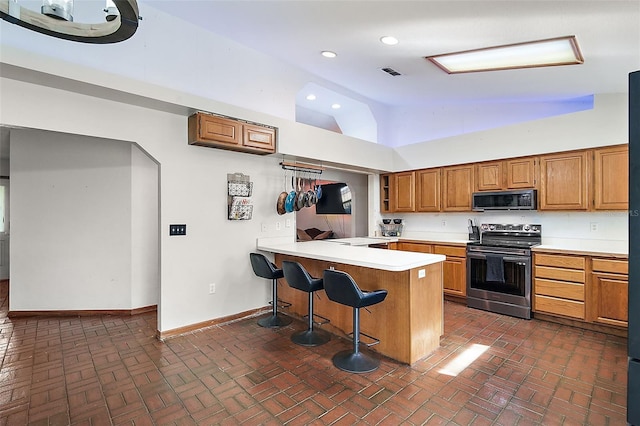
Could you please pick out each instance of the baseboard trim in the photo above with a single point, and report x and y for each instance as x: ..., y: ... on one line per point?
x: 600, y: 328
x: 84, y: 313
x: 167, y: 334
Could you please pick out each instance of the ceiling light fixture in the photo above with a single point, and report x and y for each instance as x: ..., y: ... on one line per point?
x: 336, y: 106
x: 311, y: 97
x: 540, y: 53
x: 389, y: 40
x: 56, y: 20
x: 328, y: 54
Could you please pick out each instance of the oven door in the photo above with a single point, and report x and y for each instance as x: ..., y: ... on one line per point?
x: 516, y: 288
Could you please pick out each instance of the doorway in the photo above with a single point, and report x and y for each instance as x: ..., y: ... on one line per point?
x: 4, y: 227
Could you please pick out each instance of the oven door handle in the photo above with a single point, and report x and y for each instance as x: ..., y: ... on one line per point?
x: 514, y: 259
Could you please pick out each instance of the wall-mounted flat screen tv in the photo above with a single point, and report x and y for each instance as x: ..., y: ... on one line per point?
x: 335, y: 199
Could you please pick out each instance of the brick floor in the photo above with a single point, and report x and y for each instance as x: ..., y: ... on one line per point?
x: 108, y: 370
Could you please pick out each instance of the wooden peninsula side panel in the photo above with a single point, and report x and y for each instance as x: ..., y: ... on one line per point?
x: 408, y: 322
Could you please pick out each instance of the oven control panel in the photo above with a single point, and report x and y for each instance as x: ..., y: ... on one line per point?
x: 502, y: 227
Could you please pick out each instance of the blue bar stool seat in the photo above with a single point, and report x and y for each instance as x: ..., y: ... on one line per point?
x: 299, y: 278
x: 341, y: 288
x: 262, y: 267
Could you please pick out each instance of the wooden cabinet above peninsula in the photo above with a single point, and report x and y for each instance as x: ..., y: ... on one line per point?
x: 222, y: 132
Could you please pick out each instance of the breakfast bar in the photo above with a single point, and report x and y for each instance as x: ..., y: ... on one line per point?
x: 408, y: 323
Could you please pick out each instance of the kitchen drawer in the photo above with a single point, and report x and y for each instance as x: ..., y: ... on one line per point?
x: 559, y: 289
x: 453, y: 251
x: 553, y: 305
x: 560, y: 274
x: 610, y: 265
x: 572, y: 262
x: 417, y: 247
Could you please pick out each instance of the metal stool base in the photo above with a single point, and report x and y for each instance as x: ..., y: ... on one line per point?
x: 274, y: 321
x: 355, y: 362
x: 310, y: 338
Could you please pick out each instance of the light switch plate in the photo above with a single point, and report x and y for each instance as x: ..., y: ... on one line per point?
x: 177, y: 229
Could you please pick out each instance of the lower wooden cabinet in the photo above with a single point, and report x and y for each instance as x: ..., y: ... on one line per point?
x: 417, y: 247
x: 609, y: 292
x: 559, y: 285
x: 454, y: 272
x: 585, y: 288
x: 454, y: 269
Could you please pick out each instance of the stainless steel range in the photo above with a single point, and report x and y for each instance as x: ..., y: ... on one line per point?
x: 499, y: 268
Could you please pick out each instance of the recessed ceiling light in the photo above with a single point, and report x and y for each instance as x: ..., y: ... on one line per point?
x: 311, y: 97
x: 329, y: 54
x: 389, y: 40
x: 336, y: 106
x: 540, y: 53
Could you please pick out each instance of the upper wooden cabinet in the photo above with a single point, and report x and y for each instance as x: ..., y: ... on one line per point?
x: 404, y: 192
x: 564, y: 181
x: 227, y: 133
x: 428, y: 190
x: 457, y: 187
x: 521, y: 173
x: 385, y: 193
x: 590, y: 179
x: 490, y: 176
x: 517, y: 173
x: 611, y: 178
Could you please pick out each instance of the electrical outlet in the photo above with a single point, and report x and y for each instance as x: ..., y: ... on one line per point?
x: 287, y: 223
x: 278, y: 226
x: 593, y: 226
x: 265, y: 227
x: 444, y: 223
x: 212, y: 288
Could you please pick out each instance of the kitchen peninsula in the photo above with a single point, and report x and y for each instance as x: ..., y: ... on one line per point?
x: 408, y: 323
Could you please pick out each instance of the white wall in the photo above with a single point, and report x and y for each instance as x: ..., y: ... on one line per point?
x: 605, y: 124
x: 556, y: 226
x: 71, y: 227
x: 145, y: 238
x: 192, y: 191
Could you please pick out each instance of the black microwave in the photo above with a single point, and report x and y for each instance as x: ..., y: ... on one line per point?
x: 525, y: 199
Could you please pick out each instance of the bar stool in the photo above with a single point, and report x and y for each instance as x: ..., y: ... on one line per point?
x: 341, y: 288
x: 263, y: 268
x: 299, y: 278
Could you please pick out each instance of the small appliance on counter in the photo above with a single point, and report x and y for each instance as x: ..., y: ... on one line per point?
x: 391, y: 227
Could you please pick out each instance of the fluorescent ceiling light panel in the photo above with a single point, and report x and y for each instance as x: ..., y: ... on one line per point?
x: 541, y: 53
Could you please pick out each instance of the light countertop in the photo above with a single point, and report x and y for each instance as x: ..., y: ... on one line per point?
x: 362, y: 241
x: 388, y: 260
x: 612, y: 248
x: 585, y: 247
